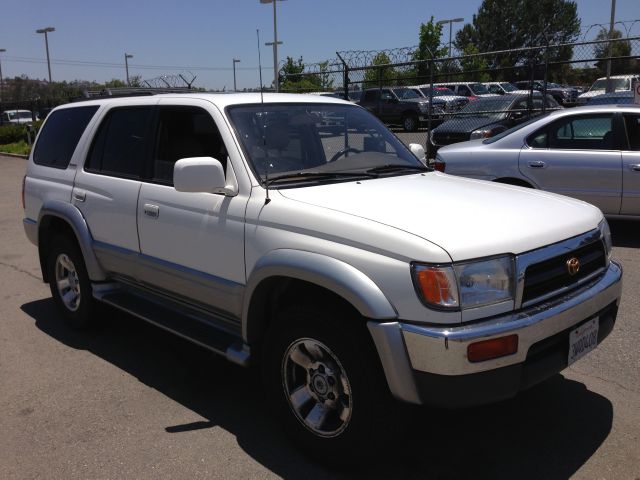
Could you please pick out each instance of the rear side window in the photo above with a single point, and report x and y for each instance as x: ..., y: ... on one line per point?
x: 60, y: 134
x: 120, y: 147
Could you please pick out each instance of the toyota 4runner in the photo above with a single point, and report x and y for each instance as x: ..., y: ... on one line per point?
x: 297, y: 233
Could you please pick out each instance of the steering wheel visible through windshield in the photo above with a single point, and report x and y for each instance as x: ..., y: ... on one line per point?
x: 290, y: 144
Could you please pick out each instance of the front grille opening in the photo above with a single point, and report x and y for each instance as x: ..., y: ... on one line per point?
x: 548, y: 276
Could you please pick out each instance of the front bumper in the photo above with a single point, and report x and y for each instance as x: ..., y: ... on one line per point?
x: 429, y: 365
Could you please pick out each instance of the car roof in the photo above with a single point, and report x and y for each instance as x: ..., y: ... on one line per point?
x: 612, y: 107
x: 222, y: 100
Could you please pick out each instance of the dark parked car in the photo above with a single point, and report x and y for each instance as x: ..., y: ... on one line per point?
x: 489, y: 116
x: 401, y: 106
x: 563, y: 95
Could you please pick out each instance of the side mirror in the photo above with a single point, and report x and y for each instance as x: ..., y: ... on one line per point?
x: 200, y: 174
x: 418, y: 151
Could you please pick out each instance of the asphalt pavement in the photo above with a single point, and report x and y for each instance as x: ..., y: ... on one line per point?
x: 128, y: 400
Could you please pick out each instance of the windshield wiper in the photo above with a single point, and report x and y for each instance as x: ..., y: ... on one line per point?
x: 315, y: 176
x: 396, y: 168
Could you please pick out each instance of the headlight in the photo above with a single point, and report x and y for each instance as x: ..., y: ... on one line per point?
x: 606, y: 236
x: 481, y: 133
x: 466, y: 285
x: 424, y: 107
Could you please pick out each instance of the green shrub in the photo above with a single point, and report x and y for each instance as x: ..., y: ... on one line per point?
x: 12, y: 133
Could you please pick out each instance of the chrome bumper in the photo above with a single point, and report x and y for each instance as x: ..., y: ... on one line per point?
x: 407, y: 348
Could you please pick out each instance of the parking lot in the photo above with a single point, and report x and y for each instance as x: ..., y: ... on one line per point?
x: 128, y: 400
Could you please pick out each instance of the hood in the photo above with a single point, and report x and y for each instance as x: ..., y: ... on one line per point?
x: 467, y: 218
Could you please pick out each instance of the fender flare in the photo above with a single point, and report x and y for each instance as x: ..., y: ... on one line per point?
x: 73, y: 217
x: 335, y: 275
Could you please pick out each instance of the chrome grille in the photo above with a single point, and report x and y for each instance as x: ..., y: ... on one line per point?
x: 544, y: 278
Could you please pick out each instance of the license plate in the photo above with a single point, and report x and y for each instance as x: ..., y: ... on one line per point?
x: 583, y: 339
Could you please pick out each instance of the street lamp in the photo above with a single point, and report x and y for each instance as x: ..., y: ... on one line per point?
x: 275, y: 43
x: 46, y: 42
x: 127, y: 56
x: 235, y: 60
x: 1, y: 84
x: 451, y: 21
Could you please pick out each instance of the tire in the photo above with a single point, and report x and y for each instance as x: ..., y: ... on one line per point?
x: 325, y: 382
x: 410, y: 122
x: 69, y: 283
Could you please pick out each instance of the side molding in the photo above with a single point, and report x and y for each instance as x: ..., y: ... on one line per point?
x: 334, y: 275
x: 71, y: 215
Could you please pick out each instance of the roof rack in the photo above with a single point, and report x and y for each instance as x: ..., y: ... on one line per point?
x: 129, y: 92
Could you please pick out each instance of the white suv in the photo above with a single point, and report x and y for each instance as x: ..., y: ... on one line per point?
x: 296, y: 232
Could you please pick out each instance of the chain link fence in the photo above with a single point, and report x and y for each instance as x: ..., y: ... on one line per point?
x: 457, y: 98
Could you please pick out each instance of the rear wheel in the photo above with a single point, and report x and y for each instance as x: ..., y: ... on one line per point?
x: 410, y: 122
x: 325, y: 382
x: 69, y: 282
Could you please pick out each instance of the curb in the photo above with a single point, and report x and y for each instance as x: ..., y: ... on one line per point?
x: 14, y: 155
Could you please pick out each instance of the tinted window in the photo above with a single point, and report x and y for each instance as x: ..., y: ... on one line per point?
x: 462, y: 90
x: 632, y: 123
x: 60, y: 135
x: 184, y: 132
x: 584, y: 132
x: 120, y: 146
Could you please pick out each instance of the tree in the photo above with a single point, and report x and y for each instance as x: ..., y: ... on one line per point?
x: 114, y: 83
x: 293, y: 78
x: 474, y: 67
x: 514, y: 24
x: 620, y: 48
x: 326, y: 82
x: 381, y: 72
x: 428, y: 45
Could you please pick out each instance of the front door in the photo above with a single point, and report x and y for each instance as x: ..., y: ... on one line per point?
x: 192, y: 244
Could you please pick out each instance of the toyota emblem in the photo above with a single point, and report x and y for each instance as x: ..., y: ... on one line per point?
x: 573, y: 266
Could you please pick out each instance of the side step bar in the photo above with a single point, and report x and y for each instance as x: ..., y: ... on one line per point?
x: 190, y: 324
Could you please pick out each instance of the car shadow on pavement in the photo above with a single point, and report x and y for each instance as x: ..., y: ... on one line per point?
x: 547, y: 432
x: 625, y: 233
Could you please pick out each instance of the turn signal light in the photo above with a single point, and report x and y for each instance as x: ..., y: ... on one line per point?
x: 494, y: 348
x: 439, y: 165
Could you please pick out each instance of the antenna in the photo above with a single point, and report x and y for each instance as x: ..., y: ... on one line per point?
x: 264, y: 126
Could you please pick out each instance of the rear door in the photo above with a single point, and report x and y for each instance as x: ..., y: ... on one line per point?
x: 106, y: 188
x: 631, y: 166
x: 577, y: 156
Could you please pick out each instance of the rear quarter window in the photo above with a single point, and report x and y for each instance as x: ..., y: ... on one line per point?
x: 60, y: 135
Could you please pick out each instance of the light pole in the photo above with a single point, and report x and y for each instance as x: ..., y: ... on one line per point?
x: 275, y: 44
x: 235, y: 60
x: 127, y: 56
x: 46, y: 42
x: 610, y: 88
x: 450, y: 22
x: 1, y: 82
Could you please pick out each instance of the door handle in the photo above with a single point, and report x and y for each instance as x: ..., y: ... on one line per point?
x: 79, y: 195
x: 635, y: 167
x: 537, y: 164
x: 152, y: 211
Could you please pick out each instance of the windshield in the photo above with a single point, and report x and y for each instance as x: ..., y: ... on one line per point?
x: 318, y: 142
x: 404, y: 93
x: 478, y: 89
x: 507, y: 87
x: 19, y: 115
x: 492, y: 107
x: 617, y: 83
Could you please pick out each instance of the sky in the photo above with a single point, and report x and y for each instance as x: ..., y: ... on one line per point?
x: 198, y: 37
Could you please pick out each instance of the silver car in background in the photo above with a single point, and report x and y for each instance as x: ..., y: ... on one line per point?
x: 588, y: 153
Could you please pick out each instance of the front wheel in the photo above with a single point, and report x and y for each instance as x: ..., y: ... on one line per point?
x: 410, y: 122
x: 325, y: 382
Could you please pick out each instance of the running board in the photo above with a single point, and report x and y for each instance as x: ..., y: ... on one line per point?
x: 190, y: 324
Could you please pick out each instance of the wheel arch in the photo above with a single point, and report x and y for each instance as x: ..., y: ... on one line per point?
x: 57, y: 217
x: 292, y: 274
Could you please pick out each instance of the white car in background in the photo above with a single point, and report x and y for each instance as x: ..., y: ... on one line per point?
x: 620, y: 83
x: 17, y: 117
x: 589, y: 153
